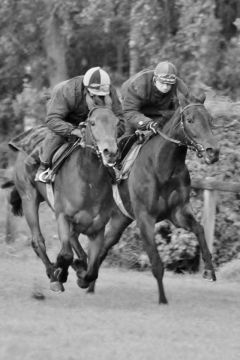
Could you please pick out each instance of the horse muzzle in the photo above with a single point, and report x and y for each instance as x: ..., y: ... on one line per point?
x: 109, y: 158
x: 211, y: 155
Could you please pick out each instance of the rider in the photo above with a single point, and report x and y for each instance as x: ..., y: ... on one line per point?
x: 150, y: 97
x: 67, y: 108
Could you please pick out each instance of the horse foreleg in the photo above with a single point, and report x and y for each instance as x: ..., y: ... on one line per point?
x: 30, y: 206
x: 146, y: 224
x: 65, y: 256
x: 80, y: 264
x: 94, y: 248
x: 114, y: 229
x: 184, y: 218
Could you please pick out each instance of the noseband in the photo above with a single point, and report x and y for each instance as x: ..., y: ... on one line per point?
x: 199, y: 148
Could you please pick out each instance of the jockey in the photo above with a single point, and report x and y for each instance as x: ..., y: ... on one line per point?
x: 67, y: 108
x: 150, y: 97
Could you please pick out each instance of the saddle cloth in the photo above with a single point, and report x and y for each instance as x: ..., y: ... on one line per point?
x: 30, y: 143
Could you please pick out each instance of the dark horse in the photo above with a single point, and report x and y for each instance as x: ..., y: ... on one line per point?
x: 159, y: 186
x: 82, y: 199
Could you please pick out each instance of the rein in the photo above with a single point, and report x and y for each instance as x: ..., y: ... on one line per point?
x: 198, y: 147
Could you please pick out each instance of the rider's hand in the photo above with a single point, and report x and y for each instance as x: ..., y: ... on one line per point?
x: 153, y: 125
x: 77, y: 132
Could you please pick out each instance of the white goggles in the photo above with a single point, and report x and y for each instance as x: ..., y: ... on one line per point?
x: 166, y: 79
x: 102, y: 88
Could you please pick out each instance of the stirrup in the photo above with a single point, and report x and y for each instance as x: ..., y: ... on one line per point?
x: 43, y: 176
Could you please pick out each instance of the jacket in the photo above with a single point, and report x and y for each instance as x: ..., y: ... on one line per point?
x: 67, y: 107
x: 143, y: 102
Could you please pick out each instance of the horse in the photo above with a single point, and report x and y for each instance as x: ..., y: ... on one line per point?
x: 158, y: 186
x: 82, y: 199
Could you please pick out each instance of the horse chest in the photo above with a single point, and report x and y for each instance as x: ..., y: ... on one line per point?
x: 89, y: 222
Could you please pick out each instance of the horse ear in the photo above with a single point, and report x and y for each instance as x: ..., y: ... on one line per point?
x: 90, y: 102
x: 201, y: 97
x: 183, y: 101
x: 198, y: 95
x: 108, y: 101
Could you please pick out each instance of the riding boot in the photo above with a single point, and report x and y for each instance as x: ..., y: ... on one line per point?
x: 50, y: 144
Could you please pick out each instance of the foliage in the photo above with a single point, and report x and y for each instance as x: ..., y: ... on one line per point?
x: 8, y: 119
x: 129, y: 250
x: 181, y: 253
x: 178, y: 249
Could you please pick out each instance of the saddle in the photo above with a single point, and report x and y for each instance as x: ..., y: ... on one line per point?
x: 59, y: 157
x: 129, y: 146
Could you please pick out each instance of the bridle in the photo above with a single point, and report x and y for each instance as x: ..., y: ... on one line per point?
x: 93, y: 144
x: 87, y: 125
x: 189, y: 143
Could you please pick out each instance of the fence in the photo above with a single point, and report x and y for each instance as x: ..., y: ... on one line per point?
x: 210, y: 188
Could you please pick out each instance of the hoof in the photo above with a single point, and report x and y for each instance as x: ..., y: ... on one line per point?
x: 91, y: 289
x: 209, y: 275
x: 163, y: 302
x: 82, y: 283
x: 56, y: 286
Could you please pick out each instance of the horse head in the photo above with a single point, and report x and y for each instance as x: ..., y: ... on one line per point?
x: 101, y: 131
x: 196, y: 125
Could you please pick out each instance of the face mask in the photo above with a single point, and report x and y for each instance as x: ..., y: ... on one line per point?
x: 163, y: 87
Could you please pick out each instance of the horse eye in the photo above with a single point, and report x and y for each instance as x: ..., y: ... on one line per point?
x: 190, y: 120
x: 92, y: 123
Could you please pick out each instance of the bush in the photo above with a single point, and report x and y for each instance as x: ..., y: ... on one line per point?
x: 178, y: 249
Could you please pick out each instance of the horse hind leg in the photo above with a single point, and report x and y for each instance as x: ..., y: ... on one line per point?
x: 114, y: 229
x: 30, y: 205
x: 65, y: 256
x: 183, y: 217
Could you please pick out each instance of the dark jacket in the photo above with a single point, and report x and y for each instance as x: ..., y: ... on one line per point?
x: 67, y: 107
x: 143, y: 102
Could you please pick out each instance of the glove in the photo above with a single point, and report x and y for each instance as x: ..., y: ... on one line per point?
x: 77, y: 132
x: 153, y: 126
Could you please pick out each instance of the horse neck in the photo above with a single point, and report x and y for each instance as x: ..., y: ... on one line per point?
x: 168, y: 152
x: 172, y: 127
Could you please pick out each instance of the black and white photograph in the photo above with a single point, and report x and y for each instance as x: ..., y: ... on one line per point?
x: 119, y: 180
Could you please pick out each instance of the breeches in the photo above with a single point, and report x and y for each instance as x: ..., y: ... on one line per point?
x: 50, y: 144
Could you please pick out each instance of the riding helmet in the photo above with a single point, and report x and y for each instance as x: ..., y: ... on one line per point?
x: 97, y: 81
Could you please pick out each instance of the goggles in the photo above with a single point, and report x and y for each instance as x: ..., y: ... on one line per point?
x: 101, y: 88
x: 165, y: 78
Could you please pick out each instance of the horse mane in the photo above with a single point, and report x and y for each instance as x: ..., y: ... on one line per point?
x: 173, y: 122
x: 102, y: 101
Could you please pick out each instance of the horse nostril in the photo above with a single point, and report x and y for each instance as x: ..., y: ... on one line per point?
x: 212, y: 152
x: 106, y: 152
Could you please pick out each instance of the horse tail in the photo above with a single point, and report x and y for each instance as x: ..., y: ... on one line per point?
x: 16, y: 202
